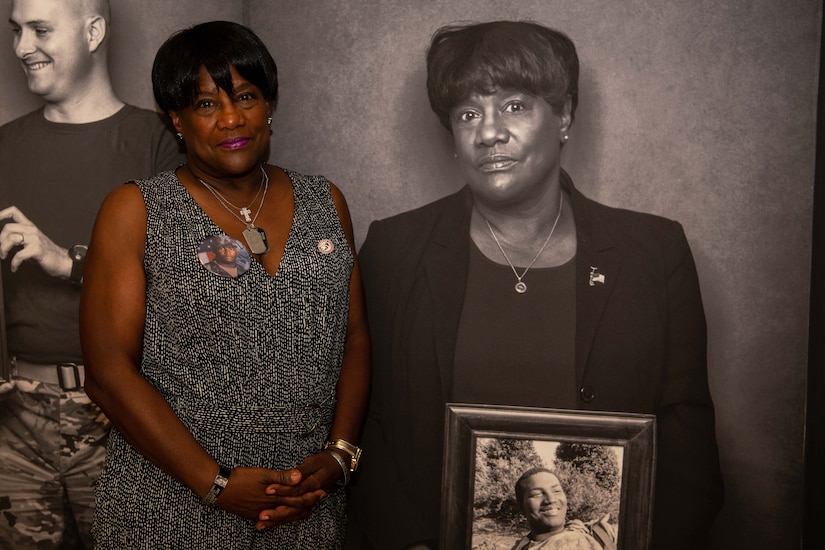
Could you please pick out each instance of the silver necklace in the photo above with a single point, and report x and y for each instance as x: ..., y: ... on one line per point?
x: 521, y: 286
x: 255, y: 237
x: 244, y: 211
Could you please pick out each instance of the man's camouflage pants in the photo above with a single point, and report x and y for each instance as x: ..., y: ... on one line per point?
x: 52, y: 446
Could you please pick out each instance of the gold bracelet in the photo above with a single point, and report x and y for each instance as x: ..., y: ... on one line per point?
x: 352, y: 450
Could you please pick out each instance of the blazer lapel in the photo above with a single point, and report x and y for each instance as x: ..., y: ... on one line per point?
x: 446, y: 264
x: 597, y: 270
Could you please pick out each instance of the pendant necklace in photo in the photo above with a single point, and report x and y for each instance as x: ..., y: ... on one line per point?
x: 255, y: 237
x: 521, y: 286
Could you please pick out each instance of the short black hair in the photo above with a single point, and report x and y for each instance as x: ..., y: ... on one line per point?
x: 527, y: 475
x: 216, y: 46
x: 481, y: 57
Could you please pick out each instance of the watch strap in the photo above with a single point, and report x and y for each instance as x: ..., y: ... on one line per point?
x: 78, y: 255
x: 217, y: 486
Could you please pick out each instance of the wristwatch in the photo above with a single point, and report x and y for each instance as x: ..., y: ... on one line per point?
x: 78, y: 255
x: 353, y: 451
x: 221, y: 479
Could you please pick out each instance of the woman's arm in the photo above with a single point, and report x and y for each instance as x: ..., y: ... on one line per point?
x: 112, y: 315
x: 354, y: 381
x: 689, y: 486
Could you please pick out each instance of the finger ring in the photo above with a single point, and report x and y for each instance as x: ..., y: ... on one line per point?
x: 22, y: 239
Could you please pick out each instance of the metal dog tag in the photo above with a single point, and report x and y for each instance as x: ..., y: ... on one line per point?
x: 256, y: 240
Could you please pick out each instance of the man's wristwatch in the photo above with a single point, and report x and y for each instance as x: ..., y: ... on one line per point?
x: 78, y: 255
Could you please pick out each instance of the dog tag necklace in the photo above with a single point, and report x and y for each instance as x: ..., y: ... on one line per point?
x: 255, y: 237
x: 521, y: 286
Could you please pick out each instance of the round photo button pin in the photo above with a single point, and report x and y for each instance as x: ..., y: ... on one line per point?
x: 224, y: 256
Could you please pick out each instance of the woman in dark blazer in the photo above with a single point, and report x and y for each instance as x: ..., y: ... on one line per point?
x: 519, y: 290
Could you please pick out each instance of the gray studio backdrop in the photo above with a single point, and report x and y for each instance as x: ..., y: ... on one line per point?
x: 701, y: 111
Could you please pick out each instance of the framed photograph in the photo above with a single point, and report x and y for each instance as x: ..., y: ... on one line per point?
x: 585, y: 478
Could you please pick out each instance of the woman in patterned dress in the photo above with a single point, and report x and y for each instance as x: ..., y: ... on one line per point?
x: 236, y: 396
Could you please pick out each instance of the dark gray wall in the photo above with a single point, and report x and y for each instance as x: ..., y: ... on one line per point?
x: 703, y: 112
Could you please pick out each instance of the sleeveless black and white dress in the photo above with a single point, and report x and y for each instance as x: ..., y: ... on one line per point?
x: 249, y: 364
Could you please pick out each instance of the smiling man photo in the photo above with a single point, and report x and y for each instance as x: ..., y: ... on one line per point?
x: 543, y: 502
x: 56, y: 165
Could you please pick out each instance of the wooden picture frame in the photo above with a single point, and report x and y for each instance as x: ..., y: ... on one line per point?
x: 5, y: 360
x: 473, y: 430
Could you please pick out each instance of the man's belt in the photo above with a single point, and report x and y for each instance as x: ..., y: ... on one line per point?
x: 69, y: 376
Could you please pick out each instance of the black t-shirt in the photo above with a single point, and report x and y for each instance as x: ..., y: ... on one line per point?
x: 57, y: 175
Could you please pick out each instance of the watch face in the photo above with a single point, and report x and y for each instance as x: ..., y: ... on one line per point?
x: 78, y: 252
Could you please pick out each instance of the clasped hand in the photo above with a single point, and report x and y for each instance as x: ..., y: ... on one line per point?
x: 277, y: 497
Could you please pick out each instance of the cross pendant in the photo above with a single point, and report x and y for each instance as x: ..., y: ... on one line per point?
x: 245, y: 212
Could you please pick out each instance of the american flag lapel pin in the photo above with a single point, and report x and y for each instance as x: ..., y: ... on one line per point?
x: 595, y: 276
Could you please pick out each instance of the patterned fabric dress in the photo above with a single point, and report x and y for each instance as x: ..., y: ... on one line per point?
x: 249, y: 364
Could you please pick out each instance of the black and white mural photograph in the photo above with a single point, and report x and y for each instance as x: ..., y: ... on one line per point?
x: 253, y: 252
